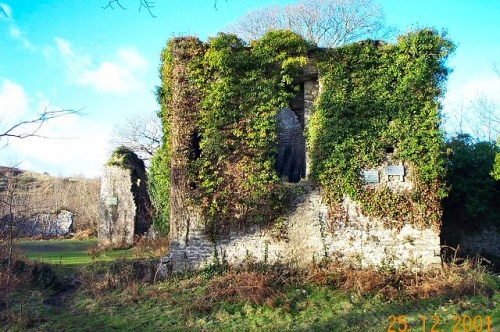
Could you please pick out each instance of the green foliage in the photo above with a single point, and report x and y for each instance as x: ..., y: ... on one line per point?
x: 222, y: 115
x: 472, y: 204
x: 248, y: 301
x: 375, y: 96
x: 496, y: 169
x: 68, y: 253
x: 159, y: 190
x: 125, y: 158
x: 219, y: 104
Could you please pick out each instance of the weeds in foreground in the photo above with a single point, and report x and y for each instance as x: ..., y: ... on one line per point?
x: 470, y: 278
x: 124, y: 295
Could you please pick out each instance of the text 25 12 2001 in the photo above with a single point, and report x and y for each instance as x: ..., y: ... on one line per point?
x: 460, y: 323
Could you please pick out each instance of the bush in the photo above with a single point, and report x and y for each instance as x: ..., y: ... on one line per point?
x: 472, y: 204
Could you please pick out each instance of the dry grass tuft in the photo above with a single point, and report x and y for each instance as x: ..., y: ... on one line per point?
x: 252, y: 287
x: 468, y: 278
x: 147, y: 246
x: 85, y: 234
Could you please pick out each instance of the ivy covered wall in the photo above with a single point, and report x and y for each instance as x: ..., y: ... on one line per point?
x: 381, y: 101
x: 219, y: 108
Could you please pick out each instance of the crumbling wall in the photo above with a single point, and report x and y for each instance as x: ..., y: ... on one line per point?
x: 117, y: 208
x: 47, y: 225
x: 307, y: 236
x: 486, y: 242
x: 124, y: 205
x: 362, y: 207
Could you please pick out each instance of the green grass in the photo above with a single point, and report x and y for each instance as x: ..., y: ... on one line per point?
x: 68, y: 252
x: 111, y: 298
x: 177, y: 305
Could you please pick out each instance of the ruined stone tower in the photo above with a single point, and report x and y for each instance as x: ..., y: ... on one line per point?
x: 124, y: 201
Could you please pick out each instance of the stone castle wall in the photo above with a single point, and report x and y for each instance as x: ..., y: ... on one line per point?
x: 486, y: 242
x: 117, y: 208
x: 307, y: 236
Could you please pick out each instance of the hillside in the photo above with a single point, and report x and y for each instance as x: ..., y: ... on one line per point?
x: 30, y: 193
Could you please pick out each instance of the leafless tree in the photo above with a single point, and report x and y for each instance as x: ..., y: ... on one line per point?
x: 327, y: 23
x: 14, y: 201
x: 488, y: 118
x: 30, y: 127
x: 141, y: 133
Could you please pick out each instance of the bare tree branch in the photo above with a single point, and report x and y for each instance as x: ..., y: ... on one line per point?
x: 141, y: 133
x: 30, y: 128
x: 2, y: 11
x: 111, y: 2
x: 149, y: 5
x: 327, y: 23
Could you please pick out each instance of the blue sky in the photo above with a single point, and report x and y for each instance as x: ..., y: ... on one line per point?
x: 74, y: 54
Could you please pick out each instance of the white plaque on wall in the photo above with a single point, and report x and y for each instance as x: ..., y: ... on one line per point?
x: 371, y: 176
x: 111, y: 201
x: 395, y: 170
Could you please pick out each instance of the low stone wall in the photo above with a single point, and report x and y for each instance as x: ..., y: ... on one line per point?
x: 366, y: 242
x: 307, y: 236
x: 47, y: 225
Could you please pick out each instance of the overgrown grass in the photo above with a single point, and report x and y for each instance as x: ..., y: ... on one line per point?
x: 69, y: 253
x: 123, y: 297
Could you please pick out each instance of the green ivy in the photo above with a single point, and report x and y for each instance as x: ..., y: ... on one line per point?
x: 220, y: 100
x: 496, y: 168
x: 227, y: 101
x: 159, y: 190
x: 378, y: 95
x: 243, y: 89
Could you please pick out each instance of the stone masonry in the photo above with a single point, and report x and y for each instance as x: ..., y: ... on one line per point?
x: 309, y: 237
x: 307, y: 234
x: 47, y: 225
x: 116, y: 207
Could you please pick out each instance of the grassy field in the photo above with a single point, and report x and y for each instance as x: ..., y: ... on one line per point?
x: 69, y: 253
x: 115, y: 297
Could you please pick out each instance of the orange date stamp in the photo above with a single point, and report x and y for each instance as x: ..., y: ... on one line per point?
x: 460, y: 323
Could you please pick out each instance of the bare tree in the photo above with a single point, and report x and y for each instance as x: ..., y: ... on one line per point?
x: 488, y: 118
x: 30, y: 127
x: 14, y: 201
x: 327, y: 23
x: 141, y: 133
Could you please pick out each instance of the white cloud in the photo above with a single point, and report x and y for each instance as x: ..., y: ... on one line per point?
x: 64, y: 47
x: 488, y: 87
x: 13, y: 102
x: 77, y: 145
x: 124, y: 74
x: 109, y: 77
x: 72, y: 145
x: 14, y: 31
x: 132, y: 59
